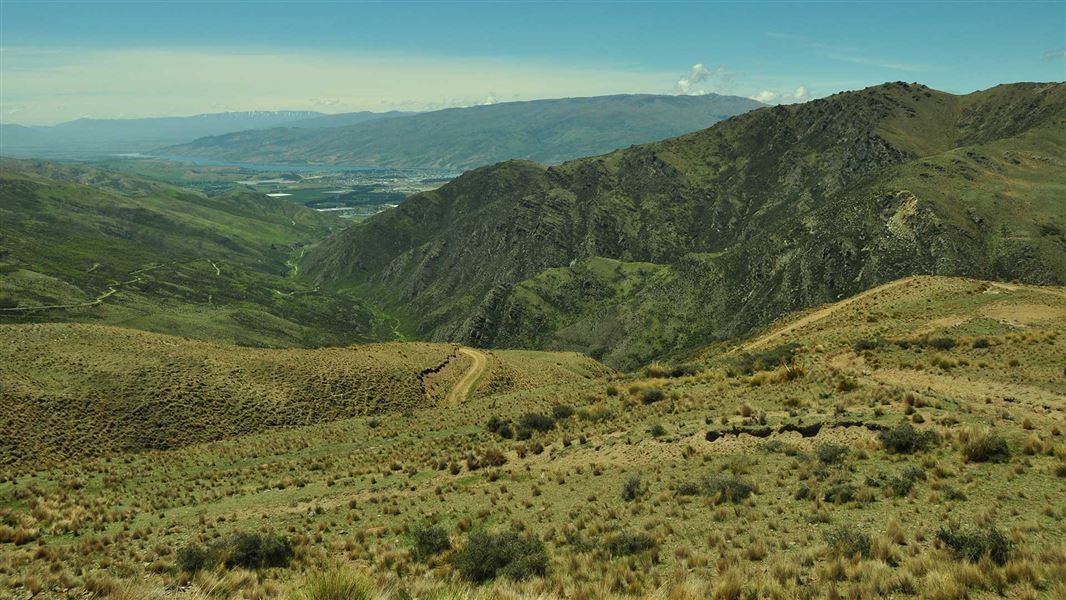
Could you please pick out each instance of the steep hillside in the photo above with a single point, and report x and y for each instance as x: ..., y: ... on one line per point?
x: 83, y: 244
x: 545, y: 130
x: 903, y: 443
x: 667, y: 246
x: 73, y: 390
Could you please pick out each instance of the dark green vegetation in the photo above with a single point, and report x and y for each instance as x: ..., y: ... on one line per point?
x: 660, y: 248
x: 549, y: 131
x: 102, y: 247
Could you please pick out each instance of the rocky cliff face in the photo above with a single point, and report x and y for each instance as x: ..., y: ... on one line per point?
x: 661, y: 247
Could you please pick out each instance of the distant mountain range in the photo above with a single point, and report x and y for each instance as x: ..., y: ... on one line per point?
x: 94, y: 137
x: 549, y: 131
x: 663, y: 247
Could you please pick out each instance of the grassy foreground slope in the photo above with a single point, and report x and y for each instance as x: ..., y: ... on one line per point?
x: 73, y: 390
x: 904, y: 443
x: 84, y: 244
x: 667, y: 246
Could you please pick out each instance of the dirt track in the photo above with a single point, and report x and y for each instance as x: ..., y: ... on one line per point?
x: 461, y: 389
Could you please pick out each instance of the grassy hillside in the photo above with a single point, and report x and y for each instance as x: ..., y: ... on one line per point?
x: 549, y: 131
x: 906, y: 442
x: 83, y: 244
x: 667, y: 246
x: 73, y: 391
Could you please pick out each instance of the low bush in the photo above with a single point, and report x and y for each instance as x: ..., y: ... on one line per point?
x: 975, y: 544
x: 831, y: 454
x: 862, y: 345
x: 244, y: 550
x: 657, y: 430
x: 627, y: 544
x: 728, y: 489
x: 766, y: 361
x: 430, y: 541
x: 500, y: 427
x: 562, y: 411
x: 905, y: 439
x: 633, y: 488
x: 840, y: 493
x: 848, y: 542
x: 486, y: 556
x: 652, y: 395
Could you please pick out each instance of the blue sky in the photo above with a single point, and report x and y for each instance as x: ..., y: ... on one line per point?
x: 64, y: 60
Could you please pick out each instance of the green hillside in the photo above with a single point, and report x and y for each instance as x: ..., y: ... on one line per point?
x: 666, y: 246
x: 83, y: 244
x: 549, y: 131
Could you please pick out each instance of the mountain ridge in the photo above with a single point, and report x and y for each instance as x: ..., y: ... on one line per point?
x: 769, y: 211
x: 547, y: 130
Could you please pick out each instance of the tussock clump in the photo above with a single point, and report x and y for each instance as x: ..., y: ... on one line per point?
x: 983, y: 445
x: 336, y: 584
x: 633, y: 488
x: 652, y: 395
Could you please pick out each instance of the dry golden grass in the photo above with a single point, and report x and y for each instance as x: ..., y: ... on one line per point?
x: 757, y: 511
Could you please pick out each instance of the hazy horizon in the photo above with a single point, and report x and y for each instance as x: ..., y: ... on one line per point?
x: 61, y: 61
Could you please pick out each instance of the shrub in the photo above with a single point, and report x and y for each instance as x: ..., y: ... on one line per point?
x: 975, y: 544
x: 980, y: 343
x: 536, y: 422
x: 905, y: 439
x: 562, y: 411
x: 943, y: 343
x: 984, y: 446
x: 254, y: 551
x: 831, y: 454
x: 194, y: 558
x: 902, y: 484
x: 728, y: 489
x: 657, y: 430
x: 652, y: 395
x: 430, y: 541
x: 500, y: 427
x: 627, y: 544
x: 841, y: 492
x: 244, y: 550
x: 486, y: 556
x: 862, y: 345
x: 633, y: 488
x: 766, y: 361
x: 687, y: 488
x: 848, y: 542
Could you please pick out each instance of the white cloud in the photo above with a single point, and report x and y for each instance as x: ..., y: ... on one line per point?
x: 801, y: 94
x: 489, y: 100
x: 719, y: 80
x: 766, y: 96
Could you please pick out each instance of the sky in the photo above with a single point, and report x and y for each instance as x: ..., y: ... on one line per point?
x: 64, y: 60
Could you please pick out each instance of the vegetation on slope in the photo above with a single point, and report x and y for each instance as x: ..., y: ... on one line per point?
x: 665, y: 247
x: 904, y: 443
x: 103, y: 247
x: 549, y: 131
x: 72, y: 390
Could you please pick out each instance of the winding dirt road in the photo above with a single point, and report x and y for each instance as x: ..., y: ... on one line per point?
x: 463, y: 387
